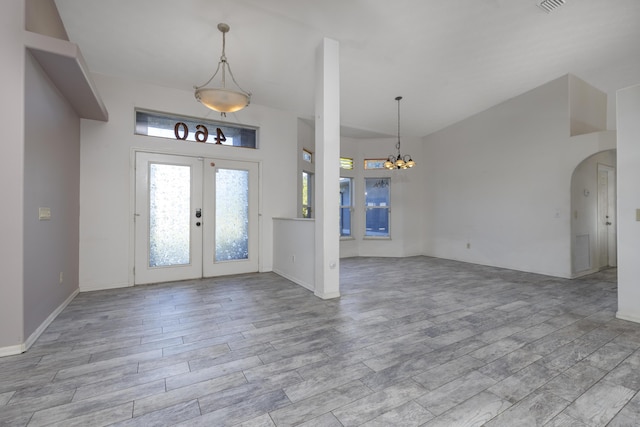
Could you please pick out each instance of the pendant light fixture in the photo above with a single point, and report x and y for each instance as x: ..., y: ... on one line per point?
x: 220, y: 98
x: 399, y: 161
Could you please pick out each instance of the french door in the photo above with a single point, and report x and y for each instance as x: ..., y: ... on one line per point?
x: 194, y: 217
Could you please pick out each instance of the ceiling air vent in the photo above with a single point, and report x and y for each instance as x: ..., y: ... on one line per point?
x: 551, y: 5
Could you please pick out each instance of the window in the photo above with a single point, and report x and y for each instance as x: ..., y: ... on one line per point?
x: 346, y: 163
x: 377, y: 198
x: 192, y: 129
x: 307, y: 156
x: 346, y: 206
x: 374, y: 163
x: 307, y: 194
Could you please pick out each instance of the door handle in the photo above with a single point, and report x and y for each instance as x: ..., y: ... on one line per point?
x: 198, y: 213
x: 607, y: 223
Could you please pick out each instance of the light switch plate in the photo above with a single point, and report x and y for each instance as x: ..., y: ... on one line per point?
x: 44, y: 214
x: 637, y: 214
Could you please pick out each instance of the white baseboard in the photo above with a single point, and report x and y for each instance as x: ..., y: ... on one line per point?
x: 21, y: 348
x: 327, y: 295
x: 295, y: 280
x: 85, y: 288
x: 634, y: 317
x: 11, y: 350
x: 584, y: 273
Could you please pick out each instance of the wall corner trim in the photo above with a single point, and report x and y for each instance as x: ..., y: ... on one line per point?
x: 21, y: 348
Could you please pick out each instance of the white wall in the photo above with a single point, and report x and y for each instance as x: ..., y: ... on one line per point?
x: 497, y: 184
x: 628, y: 178
x: 294, y: 250
x: 12, y: 122
x: 106, y: 242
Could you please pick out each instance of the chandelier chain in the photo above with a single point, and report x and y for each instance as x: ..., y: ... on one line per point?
x: 398, y: 144
x: 399, y: 161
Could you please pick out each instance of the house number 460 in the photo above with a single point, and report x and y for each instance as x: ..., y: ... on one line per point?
x: 181, y: 131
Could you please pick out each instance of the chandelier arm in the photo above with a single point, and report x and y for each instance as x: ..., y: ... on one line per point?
x: 210, y: 79
x: 234, y: 80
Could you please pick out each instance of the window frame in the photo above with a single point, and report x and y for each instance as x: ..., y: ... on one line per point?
x: 350, y: 206
x: 346, y: 163
x: 306, y: 153
x: 368, y: 161
x: 228, y: 129
x: 375, y: 207
x: 309, y: 206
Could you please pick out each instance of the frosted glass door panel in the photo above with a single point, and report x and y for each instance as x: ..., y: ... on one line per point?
x: 167, y: 229
x: 232, y: 215
x: 230, y: 240
x: 169, y: 215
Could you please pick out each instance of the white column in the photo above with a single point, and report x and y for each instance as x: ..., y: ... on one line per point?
x: 327, y: 178
x: 628, y: 170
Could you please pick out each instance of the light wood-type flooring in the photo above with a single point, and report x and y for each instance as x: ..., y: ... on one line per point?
x: 411, y: 342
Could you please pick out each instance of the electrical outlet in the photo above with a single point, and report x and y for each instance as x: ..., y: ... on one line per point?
x: 637, y: 214
x: 61, y: 277
x: 468, y: 245
x: 293, y: 258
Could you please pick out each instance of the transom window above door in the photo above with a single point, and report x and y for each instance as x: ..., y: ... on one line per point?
x: 193, y: 129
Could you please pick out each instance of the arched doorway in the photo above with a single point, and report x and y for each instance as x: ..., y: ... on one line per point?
x: 593, y: 216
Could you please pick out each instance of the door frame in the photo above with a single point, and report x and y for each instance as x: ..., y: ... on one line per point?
x: 198, y: 154
x: 611, y: 230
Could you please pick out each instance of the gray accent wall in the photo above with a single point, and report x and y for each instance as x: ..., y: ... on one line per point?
x: 51, y: 180
x: 11, y: 172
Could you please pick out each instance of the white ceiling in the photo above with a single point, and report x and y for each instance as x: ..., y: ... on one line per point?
x: 449, y: 59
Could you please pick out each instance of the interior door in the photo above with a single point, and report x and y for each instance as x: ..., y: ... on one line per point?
x: 194, y: 218
x: 607, y: 235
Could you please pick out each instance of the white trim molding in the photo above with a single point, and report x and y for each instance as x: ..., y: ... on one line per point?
x: 21, y: 348
x: 631, y: 317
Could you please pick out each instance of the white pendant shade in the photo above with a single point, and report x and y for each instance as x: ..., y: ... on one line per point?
x: 222, y: 100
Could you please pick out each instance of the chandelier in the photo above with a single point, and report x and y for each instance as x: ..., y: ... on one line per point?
x: 220, y: 98
x: 399, y: 161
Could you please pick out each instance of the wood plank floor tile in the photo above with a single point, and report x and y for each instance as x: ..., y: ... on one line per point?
x: 104, y: 417
x: 598, y: 405
x: 317, y: 405
x: 157, y: 401
x: 449, y: 344
x: 376, y: 404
